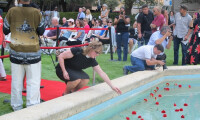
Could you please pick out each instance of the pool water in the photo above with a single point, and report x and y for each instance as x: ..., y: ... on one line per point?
x: 171, y: 93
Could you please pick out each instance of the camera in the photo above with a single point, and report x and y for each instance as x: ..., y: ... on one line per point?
x: 164, y: 66
x: 121, y: 13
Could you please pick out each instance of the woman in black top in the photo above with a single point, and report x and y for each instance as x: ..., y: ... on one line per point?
x: 122, y: 21
x: 73, y: 61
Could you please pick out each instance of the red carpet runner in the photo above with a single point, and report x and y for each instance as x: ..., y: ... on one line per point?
x: 51, y: 90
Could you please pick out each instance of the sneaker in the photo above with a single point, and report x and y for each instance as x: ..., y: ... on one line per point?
x: 125, y: 71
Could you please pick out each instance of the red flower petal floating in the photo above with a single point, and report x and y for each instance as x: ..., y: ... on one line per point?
x: 163, y: 111
x: 174, y: 104
x: 167, y: 89
x: 175, y: 84
x: 155, y: 91
x: 157, y: 103
x: 179, y: 86
x: 159, y: 95
x: 151, y: 94
x: 185, y: 104
x: 139, y: 116
x: 157, y: 88
x: 177, y: 110
x: 182, y: 116
x: 142, y: 119
x: 127, y: 118
x: 134, y: 112
x: 181, y: 109
x: 167, y: 84
x: 189, y: 86
x: 164, y: 115
x: 145, y: 100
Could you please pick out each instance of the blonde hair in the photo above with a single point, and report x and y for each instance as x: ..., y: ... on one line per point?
x: 158, y: 8
x: 95, y: 45
x: 88, y: 12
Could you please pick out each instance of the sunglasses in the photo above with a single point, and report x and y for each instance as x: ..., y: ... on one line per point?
x: 109, y: 22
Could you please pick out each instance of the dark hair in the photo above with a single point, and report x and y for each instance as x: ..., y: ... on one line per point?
x: 81, y: 23
x: 184, y: 7
x: 100, y: 22
x: 144, y: 6
x: 171, y: 12
x: 159, y: 47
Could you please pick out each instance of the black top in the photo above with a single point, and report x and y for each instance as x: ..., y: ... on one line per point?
x: 145, y: 20
x: 121, y: 26
x: 79, y: 61
x: 133, y: 33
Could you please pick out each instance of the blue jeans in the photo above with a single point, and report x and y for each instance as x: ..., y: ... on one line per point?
x: 177, y: 42
x: 137, y: 65
x: 122, y: 39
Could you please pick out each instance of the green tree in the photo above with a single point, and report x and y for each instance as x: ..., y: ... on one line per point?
x: 112, y: 3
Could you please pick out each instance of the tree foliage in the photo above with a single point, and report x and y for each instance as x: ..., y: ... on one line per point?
x: 112, y: 3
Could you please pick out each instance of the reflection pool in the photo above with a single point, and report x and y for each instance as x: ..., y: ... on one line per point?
x: 167, y: 98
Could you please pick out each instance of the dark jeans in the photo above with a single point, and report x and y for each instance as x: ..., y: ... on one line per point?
x: 137, y: 65
x: 122, y: 39
x: 177, y: 42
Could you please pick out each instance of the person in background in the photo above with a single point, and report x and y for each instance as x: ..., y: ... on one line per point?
x: 136, y: 16
x: 52, y: 34
x: 132, y: 37
x: 158, y: 21
x: 66, y: 33
x: 163, y: 37
x: 55, y: 13
x: 84, y: 9
x: 113, y: 34
x: 143, y: 58
x: 73, y: 61
x: 85, y: 22
x: 2, y: 70
x: 181, y: 33
x: 65, y: 23
x: 143, y: 25
x: 166, y: 17
x: 122, y: 33
x: 47, y: 17
x: 77, y: 40
x: 104, y: 12
x: 89, y: 17
x: 171, y: 20
x: 81, y: 14
x: 25, y: 53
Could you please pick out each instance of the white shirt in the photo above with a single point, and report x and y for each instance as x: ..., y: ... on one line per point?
x: 89, y: 17
x: 155, y: 36
x: 144, y: 52
x: 55, y: 14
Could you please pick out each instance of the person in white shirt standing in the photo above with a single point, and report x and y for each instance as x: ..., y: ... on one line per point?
x: 144, y: 57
